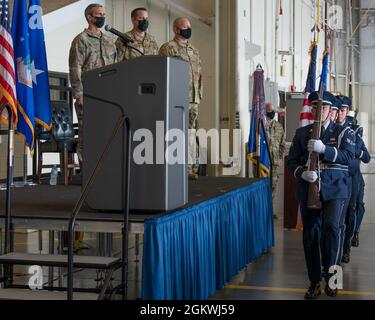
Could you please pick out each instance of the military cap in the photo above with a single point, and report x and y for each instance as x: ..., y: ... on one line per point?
x: 337, y: 105
x: 328, y: 98
x: 345, y: 102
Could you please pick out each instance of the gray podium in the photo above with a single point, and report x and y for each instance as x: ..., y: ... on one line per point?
x: 148, y: 89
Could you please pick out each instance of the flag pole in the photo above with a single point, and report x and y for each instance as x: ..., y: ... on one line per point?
x: 258, y: 146
x: 259, y: 67
x: 24, y: 164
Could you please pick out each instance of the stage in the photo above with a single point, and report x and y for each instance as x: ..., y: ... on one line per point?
x: 188, y: 253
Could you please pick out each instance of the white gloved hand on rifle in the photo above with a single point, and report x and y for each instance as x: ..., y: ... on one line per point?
x: 309, y: 176
x: 316, y: 146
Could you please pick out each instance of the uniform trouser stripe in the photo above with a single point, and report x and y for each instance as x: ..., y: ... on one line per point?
x: 341, y: 233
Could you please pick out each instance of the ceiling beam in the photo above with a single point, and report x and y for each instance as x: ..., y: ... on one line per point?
x: 49, y: 6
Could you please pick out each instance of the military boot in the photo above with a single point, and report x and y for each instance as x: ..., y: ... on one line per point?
x: 313, y: 292
x: 346, y: 257
x: 328, y: 290
x: 355, y: 240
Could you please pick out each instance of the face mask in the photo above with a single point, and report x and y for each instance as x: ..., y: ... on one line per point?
x: 99, y: 22
x: 185, y: 33
x: 271, y: 115
x: 143, y: 25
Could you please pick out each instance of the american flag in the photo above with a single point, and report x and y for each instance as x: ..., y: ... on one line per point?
x: 306, y: 116
x: 7, y: 70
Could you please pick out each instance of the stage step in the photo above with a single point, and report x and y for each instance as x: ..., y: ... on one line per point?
x: 28, y: 259
x: 24, y: 294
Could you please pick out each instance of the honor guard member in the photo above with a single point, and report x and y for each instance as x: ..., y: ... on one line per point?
x: 364, y: 156
x: 321, y: 228
x: 89, y: 50
x: 180, y: 47
x: 361, y: 154
x: 143, y: 41
x: 334, y: 110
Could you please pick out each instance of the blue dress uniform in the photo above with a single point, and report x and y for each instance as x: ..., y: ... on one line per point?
x: 334, y: 178
x: 344, y: 102
x: 362, y: 155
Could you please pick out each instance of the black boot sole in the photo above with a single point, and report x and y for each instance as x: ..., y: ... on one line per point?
x: 309, y: 297
x: 330, y: 293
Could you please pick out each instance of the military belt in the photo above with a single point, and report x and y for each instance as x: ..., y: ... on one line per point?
x: 329, y: 166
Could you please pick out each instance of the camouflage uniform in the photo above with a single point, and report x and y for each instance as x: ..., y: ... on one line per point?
x: 277, y: 150
x: 146, y: 44
x: 190, y: 54
x: 88, y: 51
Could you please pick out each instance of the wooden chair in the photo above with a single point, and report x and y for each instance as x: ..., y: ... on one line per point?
x: 60, y: 139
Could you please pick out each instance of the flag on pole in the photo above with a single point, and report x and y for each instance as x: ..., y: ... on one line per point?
x: 325, y: 71
x: 257, y: 147
x: 7, y: 70
x: 39, y: 66
x: 24, y: 73
x: 306, y: 116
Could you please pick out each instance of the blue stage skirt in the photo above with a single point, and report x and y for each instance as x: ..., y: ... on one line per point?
x: 192, y: 253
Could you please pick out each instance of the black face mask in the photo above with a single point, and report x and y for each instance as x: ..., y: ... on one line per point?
x: 99, y: 22
x: 143, y: 25
x: 271, y: 115
x: 185, y: 33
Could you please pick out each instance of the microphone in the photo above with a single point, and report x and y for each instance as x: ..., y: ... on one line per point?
x: 121, y: 35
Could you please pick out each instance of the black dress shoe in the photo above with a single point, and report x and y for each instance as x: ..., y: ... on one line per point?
x: 355, y: 240
x: 346, y: 257
x: 330, y: 292
x: 313, y: 292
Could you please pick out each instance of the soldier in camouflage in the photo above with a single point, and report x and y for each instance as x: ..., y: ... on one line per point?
x: 180, y: 47
x: 276, y: 143
x: 91, y: 49
x: 143, y: 41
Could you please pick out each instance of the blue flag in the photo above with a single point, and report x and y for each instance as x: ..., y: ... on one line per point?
x: 257, y: 140
x: 39, y: 67
x: 325, y: 71
x: 311, y: 77
x: 24, y: 73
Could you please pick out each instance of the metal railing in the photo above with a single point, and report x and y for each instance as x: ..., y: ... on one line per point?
x: 8, y: 242
x: 123, y: 120
x: 10, y: 158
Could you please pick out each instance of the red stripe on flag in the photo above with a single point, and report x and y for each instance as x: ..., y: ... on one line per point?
x: 306, y: 116
x: 7, y: 87
x: 5, y: 64
x: 6, y: 45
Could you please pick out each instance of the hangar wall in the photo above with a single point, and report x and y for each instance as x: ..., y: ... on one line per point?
x: 233, y: 36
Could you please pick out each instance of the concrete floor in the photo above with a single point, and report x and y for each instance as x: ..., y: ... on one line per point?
x: 279, y: 274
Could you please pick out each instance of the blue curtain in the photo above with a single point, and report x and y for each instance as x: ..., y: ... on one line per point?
x: 190, y: 254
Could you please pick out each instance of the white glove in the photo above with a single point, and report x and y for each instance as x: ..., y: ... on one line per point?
x: 309, y: 176
x: 316, y: 146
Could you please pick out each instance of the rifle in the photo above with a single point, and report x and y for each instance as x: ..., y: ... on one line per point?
x: 313, y: 201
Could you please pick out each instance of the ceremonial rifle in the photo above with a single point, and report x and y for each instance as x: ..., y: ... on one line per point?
x: 313, y: 201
